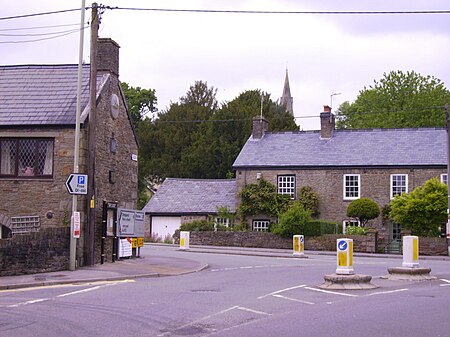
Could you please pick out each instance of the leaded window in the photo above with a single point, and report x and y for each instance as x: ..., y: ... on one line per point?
x: 26, y: 157
x: 261, y: 225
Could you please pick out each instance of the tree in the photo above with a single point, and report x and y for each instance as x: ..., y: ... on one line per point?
x: 363, y: 210
x: 398, y: 100
x: 423, y: 210
x: 262, y: 198
x: 140, y: 101
x: 292, y: 221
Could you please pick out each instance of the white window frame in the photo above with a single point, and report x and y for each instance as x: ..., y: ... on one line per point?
x: 286, y: 185
x: 260, y: 225
x: 345, y: 186
x: 391, y: 190
x: 444, y: 178
x: 222, y: 222
x: 349, y: 222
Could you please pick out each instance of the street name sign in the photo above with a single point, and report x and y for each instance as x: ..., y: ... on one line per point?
x: 77, y: 183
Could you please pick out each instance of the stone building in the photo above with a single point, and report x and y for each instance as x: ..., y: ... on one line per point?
x: 342, y: 165
x: 37, y: 136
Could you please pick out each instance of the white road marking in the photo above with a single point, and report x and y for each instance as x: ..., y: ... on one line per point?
x: 446, y: 281
x: 281, y: 291
x: 387, y: 292
x: 254, y: 311
x: 79, y: 291
x: 331, y: 292
x: 292, y: 299
x: 28, y: 302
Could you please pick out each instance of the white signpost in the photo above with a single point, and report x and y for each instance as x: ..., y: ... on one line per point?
x: 77, y: 183
x: 76, y: 225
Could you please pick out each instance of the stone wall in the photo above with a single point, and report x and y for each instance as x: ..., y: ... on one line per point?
x: 44, y: 251
x: 433, y: 246
x: 361, y: 243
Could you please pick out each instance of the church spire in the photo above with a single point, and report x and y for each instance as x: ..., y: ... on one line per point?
x: 287, y: 99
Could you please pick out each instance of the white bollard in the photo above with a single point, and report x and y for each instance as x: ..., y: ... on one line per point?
x: 184, y: 240
x: 299, y: 245
x: 344, y: 257
x: 410, y: 251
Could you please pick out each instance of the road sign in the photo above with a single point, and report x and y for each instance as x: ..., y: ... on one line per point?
x: 342, y: 245
x: 76, y: 225
x: 77, y: 183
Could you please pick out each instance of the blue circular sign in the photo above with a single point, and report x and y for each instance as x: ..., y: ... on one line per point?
x: 342, y: 245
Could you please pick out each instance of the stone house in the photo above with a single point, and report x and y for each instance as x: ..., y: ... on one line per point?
x: 342, y: 165
x: 179, y: 201
x: 37, y: 136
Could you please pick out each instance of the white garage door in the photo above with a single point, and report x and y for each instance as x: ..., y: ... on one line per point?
x: 163, y: 226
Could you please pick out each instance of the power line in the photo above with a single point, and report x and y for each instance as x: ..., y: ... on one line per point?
x: 38, y: 27
x: 281, y: 12
x: 43, y: 39
x: 39, y: 14
x: 43, y: 34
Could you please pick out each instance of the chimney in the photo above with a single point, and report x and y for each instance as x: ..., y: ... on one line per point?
x: 326, y: 123
x: 260, y: 127
x: 108, y: 56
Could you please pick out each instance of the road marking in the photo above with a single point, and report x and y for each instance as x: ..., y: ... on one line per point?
x: 387, y: 292
x: 28, y: 302
x: 254, y: 311
x: 79, y: 291
x: 282, y: 290
x: 250, y: 267
x: 446, y: 281
x: 292, y: 299
x: 65, y: 285
x: 331, y: 292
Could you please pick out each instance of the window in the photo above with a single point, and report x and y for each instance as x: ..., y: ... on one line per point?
x: 26, y: 157
x: 286, y: 185
x: 261, y: 225
x: 347, y: 223
x: 351, y: 186
x: 221, y: 222
x: 444, y: 178
x: 399, y: 184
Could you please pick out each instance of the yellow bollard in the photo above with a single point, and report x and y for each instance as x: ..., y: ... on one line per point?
x: 410, y: 251
x: 299, y: 245
x: 344, y: 257
x: 184, y: 240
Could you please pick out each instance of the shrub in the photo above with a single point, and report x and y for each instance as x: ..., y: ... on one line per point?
x: 355, y: 230
x: 292, y: 222
x: 310, y: 200
x: 363, y: 209
x: 197, y: 226
x: 320, y: 227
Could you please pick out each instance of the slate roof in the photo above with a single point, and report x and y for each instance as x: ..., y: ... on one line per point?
x: 41, y: 94
x: 359, y: 148
x: 193, y: 196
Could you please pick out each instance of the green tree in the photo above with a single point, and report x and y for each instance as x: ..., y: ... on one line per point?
x: 423, y: 210
x: 262, y: 198
x: 292, y: 221
x: 140, y: 102
x: 363, y: 209
x: 398, y: 100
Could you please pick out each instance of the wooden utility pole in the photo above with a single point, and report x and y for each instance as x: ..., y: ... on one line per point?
x: 90, y: 231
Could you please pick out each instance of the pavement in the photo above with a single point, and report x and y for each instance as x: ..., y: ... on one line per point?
x: 155, y: 266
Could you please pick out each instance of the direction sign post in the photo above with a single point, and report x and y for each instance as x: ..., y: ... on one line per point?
x: 344, y: 257
x: 77, y: 183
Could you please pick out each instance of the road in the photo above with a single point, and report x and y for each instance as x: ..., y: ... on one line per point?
x: 236, y: 296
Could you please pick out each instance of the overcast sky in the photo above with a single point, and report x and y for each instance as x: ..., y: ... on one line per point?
x: 169, y: 51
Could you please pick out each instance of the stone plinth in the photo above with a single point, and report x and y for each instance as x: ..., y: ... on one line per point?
x: 347, y: 282
x: 411, y: 274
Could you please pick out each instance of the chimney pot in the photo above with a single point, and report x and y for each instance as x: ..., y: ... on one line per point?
x: 326, y: 123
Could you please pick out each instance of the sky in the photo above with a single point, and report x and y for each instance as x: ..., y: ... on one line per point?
x: 169, y: 51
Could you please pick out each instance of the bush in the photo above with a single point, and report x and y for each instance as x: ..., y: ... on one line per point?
x: 197, y: 226
x: 310, y: 200
x: 355, y: 230
x: 363, y: 209
x: 320, y: 227
x: 292, y: 222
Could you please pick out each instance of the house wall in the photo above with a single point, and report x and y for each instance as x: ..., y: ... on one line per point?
x: 328, y: 184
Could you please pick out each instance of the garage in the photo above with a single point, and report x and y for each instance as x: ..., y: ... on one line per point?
x: 163, y: 226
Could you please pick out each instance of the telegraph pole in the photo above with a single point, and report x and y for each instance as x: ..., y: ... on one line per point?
x: 447, y: 119
x: 76, y: 153
x: 90, y: 231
